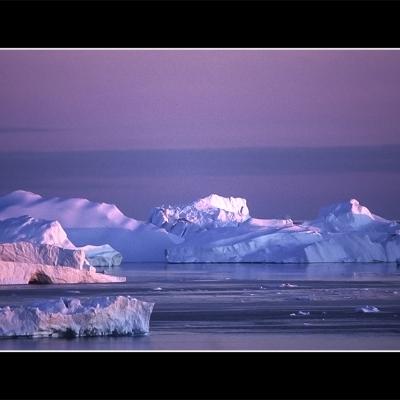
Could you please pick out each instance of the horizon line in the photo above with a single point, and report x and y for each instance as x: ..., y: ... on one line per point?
x: 147, y: 149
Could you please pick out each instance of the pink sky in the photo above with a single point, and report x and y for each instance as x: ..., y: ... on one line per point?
x: 63, y: 101
x: 94, y: 100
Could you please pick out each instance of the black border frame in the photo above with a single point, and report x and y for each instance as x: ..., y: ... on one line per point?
x: 159, y: 375
x: 199, y: 23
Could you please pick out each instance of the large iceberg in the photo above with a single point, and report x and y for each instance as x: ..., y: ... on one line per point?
x: 344, y: 232
x: 27, y: 252
x: 90, y: 223
x: 212, y: 229
x: 41, y: 231
x: 17, y: 273
x: 72, y: 317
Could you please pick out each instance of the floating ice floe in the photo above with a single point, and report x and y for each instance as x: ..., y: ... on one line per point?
x: 72, y: 317
x: 288, y: 285
x: 300, y: 313
x: 368, y: 309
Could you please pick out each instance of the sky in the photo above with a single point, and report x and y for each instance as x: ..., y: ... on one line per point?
x: 289, y: 130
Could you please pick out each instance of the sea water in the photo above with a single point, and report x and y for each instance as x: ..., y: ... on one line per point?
x: 240, y: 307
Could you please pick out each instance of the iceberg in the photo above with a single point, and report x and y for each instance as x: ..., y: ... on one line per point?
x: 18, y: 273
x: 40, y: 231
x: 25, y: 228
x: 31, y: 253
x: 102, y: 256
x: 73, y: 317
x: 89, y: 223
x: 210, y: 229
x: 344, y: 232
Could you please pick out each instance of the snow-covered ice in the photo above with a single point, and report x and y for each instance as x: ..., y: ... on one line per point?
x: 71, y: 317
x: 15, y: 273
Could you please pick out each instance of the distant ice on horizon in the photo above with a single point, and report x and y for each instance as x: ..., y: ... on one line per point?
x: 218, y: 229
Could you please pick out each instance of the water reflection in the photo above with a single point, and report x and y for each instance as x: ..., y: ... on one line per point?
x: 327, y: 271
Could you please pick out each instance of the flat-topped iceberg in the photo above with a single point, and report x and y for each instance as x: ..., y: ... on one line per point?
x: 73, y: 317
x: 17, y: 273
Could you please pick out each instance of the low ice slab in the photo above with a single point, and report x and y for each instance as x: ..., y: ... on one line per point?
x: 73, y: 317
x: 13, y: 273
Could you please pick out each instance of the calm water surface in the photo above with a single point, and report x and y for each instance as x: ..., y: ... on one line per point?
x: 240, y: 307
